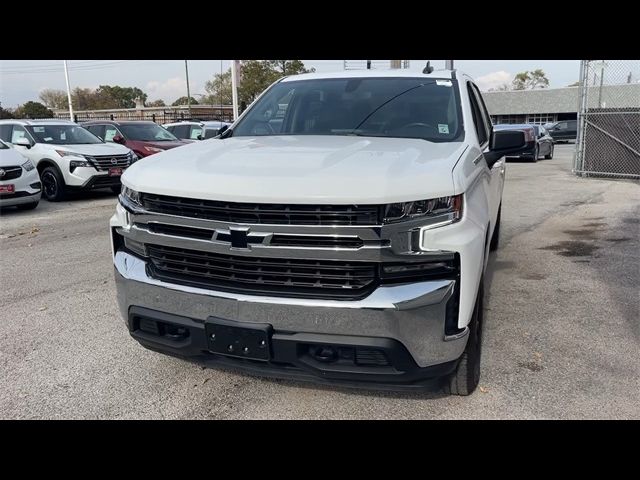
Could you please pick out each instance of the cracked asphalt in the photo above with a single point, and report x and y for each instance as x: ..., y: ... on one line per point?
x: 562, y: 334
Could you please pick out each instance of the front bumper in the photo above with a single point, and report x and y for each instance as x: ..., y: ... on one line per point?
x: 28, y: 189
x: 405, y: 322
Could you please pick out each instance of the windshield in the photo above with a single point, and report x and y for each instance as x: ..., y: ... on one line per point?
x: 374, y: 107
x: 147, y: 132
x: 62, y: 135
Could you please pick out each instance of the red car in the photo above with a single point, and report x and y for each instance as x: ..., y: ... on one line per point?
x: 144, y: 138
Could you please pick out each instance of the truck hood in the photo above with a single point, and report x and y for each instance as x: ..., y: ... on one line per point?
x: 301, y: 169
x: 92, y: 149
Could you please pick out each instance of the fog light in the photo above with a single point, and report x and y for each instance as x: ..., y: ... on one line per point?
x: 323, y: 353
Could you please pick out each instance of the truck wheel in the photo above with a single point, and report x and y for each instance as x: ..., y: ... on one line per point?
x: 52, y: 184
x: 495, y: 239
x: 535, y: 155
x: 27, y: 206
x: 549, y: 156
x: 464, y: 380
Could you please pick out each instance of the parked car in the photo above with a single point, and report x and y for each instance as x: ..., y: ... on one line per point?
x: 564, y: 131
x: 541, y: 141
x: 67, y: 156
x: 342, y: 238
x: 19, y: 180
x: 144, y: 138
x: 196, y: 130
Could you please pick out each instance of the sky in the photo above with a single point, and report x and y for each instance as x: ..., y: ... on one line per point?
x: 22, y: 80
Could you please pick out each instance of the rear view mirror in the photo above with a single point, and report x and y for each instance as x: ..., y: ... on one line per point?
x: 505, y: 142
x: 118, y: 139
x: 23, y: 142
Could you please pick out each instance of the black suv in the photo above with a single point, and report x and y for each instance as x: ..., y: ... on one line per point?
x: 564, y: 130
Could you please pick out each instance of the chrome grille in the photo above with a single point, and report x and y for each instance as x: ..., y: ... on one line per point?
x: 105, y: 162
x: 263, y: 213
x: 10, y: 173
x: 273, y: 276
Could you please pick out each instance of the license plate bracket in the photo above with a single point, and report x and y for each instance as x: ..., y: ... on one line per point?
x: 115, y: 172
x: 239, y: 339
x: 8, y: 188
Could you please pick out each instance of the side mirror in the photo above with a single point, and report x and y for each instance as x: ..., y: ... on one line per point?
x: 223, y: 129
x: 23, y: 142
x: 505, y: 142
x: 118, y: 139
x: 200, y: 137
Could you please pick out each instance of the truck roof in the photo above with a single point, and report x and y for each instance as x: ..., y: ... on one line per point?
x: 446, y: 74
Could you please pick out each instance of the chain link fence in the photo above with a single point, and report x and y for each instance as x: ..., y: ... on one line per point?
x: 608, y: 141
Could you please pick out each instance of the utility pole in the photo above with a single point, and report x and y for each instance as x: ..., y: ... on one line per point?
x: 448, y: 64
x: 220, y: 91
x: 186, y: 69
x: 234, y: 87
x: 66, y: 77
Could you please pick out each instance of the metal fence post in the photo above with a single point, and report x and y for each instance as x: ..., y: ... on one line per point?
x: 582, y: 108
x: 153, y: 117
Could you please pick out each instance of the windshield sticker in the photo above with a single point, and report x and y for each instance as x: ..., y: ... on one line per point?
x: 48, y: 139
x: 38, y: 129
x: 444, y: 83
x: 443, y: 128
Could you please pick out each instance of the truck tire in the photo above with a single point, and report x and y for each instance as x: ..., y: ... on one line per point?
x: 495, y: 239
x: 535, y: 155
x: 465, y: 378
x: 53, y: 187
x: 549, y: 156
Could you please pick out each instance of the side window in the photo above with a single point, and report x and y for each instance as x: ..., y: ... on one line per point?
x: 5, y: 133
x: 181, y: 131
x: 483, y: 109
x: 478, y: 120
x: 97, y: 130
x: 196, y: 131
x: 110, y: 131
x: 562, y: 125
x: 17, y: 133
x: 170, y: 129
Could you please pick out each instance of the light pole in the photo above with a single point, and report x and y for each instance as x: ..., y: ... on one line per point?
x: 234, y: 87
x: 186, y: 69
x: 66, y: 77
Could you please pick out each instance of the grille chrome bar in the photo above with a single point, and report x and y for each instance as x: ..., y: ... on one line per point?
x: 105, y: 162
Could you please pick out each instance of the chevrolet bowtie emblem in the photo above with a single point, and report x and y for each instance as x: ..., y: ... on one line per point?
x: 240, y: 238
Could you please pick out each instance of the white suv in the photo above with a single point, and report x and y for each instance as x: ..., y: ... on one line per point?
x: 337, y: 232
x: 67, y: 156
x: 19, y: 181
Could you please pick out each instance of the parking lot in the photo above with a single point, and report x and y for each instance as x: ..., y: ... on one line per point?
x: 562, y: 335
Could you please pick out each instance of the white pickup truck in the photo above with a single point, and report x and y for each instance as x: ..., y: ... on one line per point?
x: 337, y: 232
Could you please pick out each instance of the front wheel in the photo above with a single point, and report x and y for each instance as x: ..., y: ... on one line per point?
x: 549, y: 156
x: 464, y: 380
x: 536, y: 153
x: 52, y: 184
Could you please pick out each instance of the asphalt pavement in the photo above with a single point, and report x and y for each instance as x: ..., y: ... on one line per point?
x: 562, y: 332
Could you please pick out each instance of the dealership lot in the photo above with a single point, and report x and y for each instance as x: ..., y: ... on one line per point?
x: 562, y: 331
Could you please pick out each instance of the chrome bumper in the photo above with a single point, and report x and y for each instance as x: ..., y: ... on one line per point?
x: 413, y: 314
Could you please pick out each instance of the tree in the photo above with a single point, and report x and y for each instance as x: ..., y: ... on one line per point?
x: 54, y: 98
x: 156, y: 103
x: 183, y: 101
x: 289, y: 67
x: 118, y: 97
x: 219, y: 89
x: 33, y: 110
x: 256, y: 75
x: 530, y: 80
x: 502, y: 88
x: 5, y: 113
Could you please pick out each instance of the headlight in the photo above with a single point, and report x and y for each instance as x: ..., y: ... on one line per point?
x: 133, y: 157
x: 449, y: 208
x: 153, y: 149
x: 28, y: 165
x: 64, y: 153
x: 131, y: 195
x: 73, y: 164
